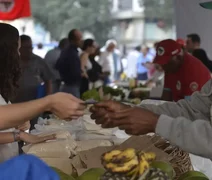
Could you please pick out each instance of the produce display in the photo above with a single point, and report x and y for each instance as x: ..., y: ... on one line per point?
x: 91, y: 94
x: 132, y: 165
x: 92, y: 174
x: 62, y: 175
x: 95, y: 94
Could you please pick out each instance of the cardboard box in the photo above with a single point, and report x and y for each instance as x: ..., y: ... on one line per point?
x: 92, y: 158
x: 63, y: 164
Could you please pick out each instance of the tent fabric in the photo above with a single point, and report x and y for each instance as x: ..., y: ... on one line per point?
x: 192, y: 18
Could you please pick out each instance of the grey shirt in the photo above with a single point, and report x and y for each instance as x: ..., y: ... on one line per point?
x: 33, y: 74
x: 51, y: 59
x: 187, y: 123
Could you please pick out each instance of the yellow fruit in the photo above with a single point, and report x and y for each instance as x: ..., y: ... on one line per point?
x: 133, y: 171
x: 125, y: 156
x: 107, y: 157
x: 122, y: 168
x: 143, y: 166
x: 149, y: 157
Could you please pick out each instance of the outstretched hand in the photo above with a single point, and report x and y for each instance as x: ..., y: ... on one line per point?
x: 133, y: 120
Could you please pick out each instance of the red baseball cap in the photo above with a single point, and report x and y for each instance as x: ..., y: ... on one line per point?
x: 181, y: 42
x: 165, y: 50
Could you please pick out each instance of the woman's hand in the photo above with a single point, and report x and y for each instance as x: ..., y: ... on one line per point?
x: 66, y: 106
x: 33, y: 139
x: 24, y: 127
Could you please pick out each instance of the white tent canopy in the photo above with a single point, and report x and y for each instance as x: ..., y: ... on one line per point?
x: 192, y: 18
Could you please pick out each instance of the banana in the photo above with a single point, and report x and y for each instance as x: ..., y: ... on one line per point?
x: 107, y: 157
x: 143, y: 166
x: 125, y: 156
x: 149, y: 157
x: 122, y: 168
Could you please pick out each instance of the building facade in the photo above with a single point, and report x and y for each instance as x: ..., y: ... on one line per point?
x: 132, y: 28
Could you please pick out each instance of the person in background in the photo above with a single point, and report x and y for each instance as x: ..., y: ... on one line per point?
x: 193, y: 42
x: 95, y: 74
x: 51, y: 59
x: 181, y: 42
x: 64, y: 106
x: 132, y: 59
x: 202, y: 56
x: 181, y: 77
x: 143, y: 60
x: 39, y: 50
x: 118, y: 67
x: 88, y: 49
x: 106, y: 60
x: 69, y: 66
x: 34, y: 72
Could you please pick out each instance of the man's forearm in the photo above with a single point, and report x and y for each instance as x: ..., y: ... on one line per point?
x: 15, y: 114
x: 191, y: 136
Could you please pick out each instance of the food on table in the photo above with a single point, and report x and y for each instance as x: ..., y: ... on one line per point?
x: 154, y: 174
x: 135, y: 101
x: 91, y: 94
x: 132, y: 83
x: 166, y: 167
x: 112, y: 91
x: 90, y: 144
x: 139, y: 94
x: 127, y: 163
x: 92, y: 174
x: 99, y: 93
x: 59, y: 148
x: 62, y: 175
x: 111, y: 176
x: 193, y: 175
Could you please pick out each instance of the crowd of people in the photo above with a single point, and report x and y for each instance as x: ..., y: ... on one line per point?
x: 34, y: 85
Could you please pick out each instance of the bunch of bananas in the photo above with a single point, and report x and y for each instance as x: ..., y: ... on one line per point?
x: 128, y: 163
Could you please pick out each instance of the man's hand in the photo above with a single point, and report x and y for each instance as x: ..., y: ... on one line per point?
x: 66, y: 106
x: 101, y: 111
x: 134, y: 120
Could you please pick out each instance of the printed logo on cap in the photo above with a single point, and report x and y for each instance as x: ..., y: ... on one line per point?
x: 160, y: 51
x: 194, y: 86
x: 178, y: 85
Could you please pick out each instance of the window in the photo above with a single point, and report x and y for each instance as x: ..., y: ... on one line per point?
x: 125, y: 5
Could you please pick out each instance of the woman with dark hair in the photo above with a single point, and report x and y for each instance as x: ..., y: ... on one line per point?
x: 202, y: 56
x: 88, y: 48
x: 9, y: 76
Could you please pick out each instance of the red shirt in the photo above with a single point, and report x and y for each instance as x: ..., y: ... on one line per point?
x: 190, y: 78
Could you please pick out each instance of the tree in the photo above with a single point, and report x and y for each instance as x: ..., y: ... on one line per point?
x: 59, y: 17
x: 162, y: 9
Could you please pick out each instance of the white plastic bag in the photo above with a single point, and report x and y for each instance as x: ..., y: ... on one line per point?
x: 63, y: 147
x: 90, y: 144
x: 202, y: 164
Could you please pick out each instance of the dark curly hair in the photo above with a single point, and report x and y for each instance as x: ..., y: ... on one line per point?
x: 9, y: 61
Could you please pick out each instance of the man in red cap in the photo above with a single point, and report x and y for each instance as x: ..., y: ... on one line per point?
x: 184, y: 74
x: 181, y: 42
